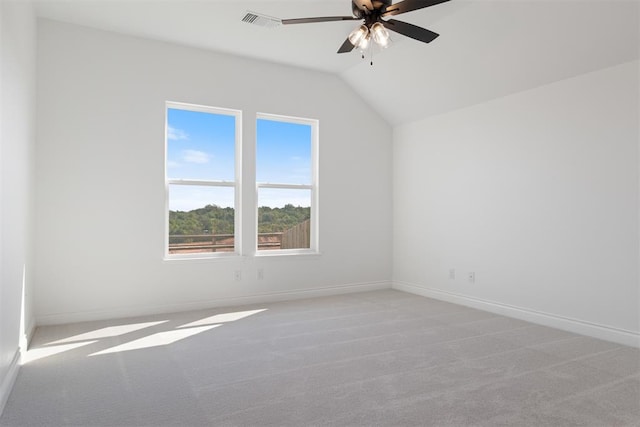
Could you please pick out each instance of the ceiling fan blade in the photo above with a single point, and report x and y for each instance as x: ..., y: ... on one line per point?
x: 364, y: 5
x: 409, y: 5
x: 318, y: 19
x: 410, y: 30
x: 347, y: 46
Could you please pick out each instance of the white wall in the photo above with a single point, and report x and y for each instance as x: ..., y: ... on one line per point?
x: 100, y: 177
x: 538, y: 194
x: 17, y: 123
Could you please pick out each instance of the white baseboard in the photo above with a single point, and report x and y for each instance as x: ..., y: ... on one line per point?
x: 6, y: 382
x: 30, y: 329
x: 594, y: 330
x: 117, y: 313
x: 9, y: 379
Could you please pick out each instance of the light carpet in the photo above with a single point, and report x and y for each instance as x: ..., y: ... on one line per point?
x: 383, y: 358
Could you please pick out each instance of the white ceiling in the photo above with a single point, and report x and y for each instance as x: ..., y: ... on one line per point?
x: 487, y: 48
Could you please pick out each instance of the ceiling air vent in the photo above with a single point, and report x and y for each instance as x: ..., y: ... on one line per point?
x: 261, y: 20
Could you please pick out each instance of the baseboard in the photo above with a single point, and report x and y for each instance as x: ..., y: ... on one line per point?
x: 620, y: 336
x: 30, y: 329
x: 117, y: 313
x: 6, y: 382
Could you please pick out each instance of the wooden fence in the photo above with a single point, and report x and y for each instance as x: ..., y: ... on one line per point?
x: 293, y: 238
x: 297, y: 237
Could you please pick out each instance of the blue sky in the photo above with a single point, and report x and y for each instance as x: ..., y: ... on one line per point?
x: 283, y: 152
x: 201, y: 146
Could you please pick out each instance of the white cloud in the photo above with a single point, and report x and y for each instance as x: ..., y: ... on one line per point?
x: 195, y: 156
x: 174, y: 134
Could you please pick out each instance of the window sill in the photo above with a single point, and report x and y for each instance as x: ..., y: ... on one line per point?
x: 286, y: 253
x: 203, y: 257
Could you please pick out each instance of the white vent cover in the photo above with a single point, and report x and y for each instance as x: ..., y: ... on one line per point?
x: 261, y: 20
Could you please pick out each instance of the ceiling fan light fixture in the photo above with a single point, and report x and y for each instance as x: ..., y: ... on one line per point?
x: 364, y: 43
x: 360, y: 37
x: 380, y: 34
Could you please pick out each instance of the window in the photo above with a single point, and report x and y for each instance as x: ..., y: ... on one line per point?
x: 286, y: 176
x: 201, y: 175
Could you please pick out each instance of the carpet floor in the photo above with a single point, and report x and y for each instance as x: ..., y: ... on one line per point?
x: 383, y: 358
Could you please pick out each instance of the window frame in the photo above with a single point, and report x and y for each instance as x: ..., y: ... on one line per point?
x: 235, y: 184
x: 314, y: 246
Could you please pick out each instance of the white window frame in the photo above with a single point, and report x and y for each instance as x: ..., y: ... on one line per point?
x: 314, y: 244
x: 236, y: 184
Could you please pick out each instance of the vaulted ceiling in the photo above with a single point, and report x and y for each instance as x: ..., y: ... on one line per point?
x: 486, y: 49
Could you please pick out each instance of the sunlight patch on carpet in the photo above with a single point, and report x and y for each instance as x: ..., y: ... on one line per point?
x: 223, y: 318
x: 156, y: 340
x: 42, y: 352
x: 111, y: 331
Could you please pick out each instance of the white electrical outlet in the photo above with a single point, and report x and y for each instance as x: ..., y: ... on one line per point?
x: 260, y: 274
x: 472, y: 277
x: 237, y: 275
x: 452, y: 274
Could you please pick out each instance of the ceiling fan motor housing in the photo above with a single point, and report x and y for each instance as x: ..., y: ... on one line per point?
x: 378, y: 5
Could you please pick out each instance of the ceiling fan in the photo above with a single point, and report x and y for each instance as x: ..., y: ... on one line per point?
x: 373, y: 26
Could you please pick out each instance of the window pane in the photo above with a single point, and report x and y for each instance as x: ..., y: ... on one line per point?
x: 283, y: 152
x: 201, y: 219
x: 200, y: 145
x: 284, y: 218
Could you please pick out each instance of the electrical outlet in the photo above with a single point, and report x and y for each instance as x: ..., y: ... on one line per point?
x: 452, y: 274
x: 472, y: 277
x: 260, y: 274
x: 237, y: 275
